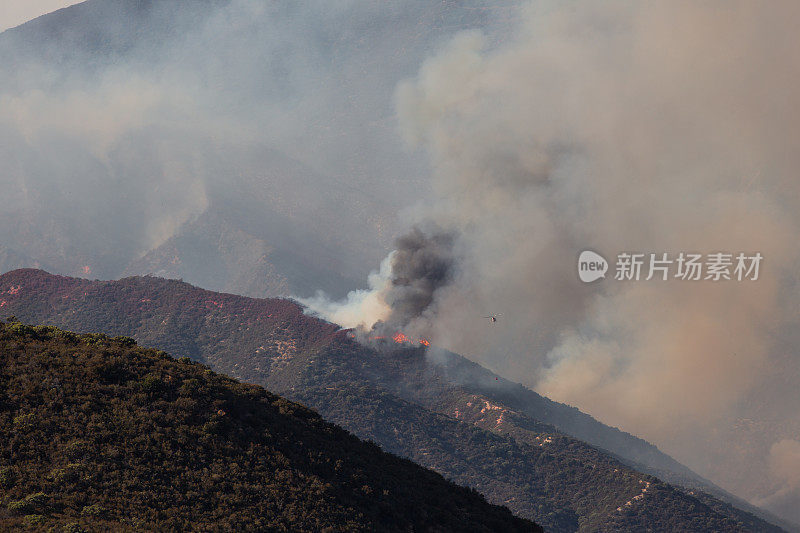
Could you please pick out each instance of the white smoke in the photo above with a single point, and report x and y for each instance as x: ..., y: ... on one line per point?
x: 783, y: 465
x: 361, y: 308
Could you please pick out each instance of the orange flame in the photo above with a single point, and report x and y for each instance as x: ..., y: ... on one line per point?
x: 401, y: 338
x: 397, y: 338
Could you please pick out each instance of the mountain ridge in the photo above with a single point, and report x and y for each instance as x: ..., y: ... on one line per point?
x: 377, y: 395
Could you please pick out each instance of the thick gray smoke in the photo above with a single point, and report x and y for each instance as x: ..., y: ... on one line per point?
x: 404, y: 294
x: 626, y: 126
x: 421, y: 265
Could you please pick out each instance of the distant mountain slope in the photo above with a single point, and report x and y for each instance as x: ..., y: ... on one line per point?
x: 439, y: 410
x: 11, y: 260
x: 217, y: 255
x: 99, y: 33
x: 98, y: 434
x: 273, y: 121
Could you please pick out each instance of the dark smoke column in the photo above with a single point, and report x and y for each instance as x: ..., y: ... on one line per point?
x: 421, y: 265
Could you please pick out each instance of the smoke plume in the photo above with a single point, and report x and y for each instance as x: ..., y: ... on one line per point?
x: 403, y: 293
x: 784, y: 467
x: 420, y: 266
x: 622, y: 126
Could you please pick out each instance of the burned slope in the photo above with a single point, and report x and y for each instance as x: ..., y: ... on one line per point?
x: 531, y: 467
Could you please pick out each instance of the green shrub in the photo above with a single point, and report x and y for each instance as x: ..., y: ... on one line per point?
x: 94, y: 510
x: 17, y: 507
x: 20, y: 329
x: 76, y: 449
x: 44, y: 331
x: 68, y: 474
x: 35, y: 519
x: 125, y: 342
x: 7, y: 477
x: 66, y: 335
x: 95, y: 339
x: 25, y: 420
x: 32, y: 504
x: 151, y: 384
x: 190, y: 386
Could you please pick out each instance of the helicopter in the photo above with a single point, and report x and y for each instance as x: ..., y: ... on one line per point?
x: 493, y: 318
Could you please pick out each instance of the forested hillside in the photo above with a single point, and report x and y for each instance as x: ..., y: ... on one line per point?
x: 97, y: 434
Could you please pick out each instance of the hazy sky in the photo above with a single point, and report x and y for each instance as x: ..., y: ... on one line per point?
x: 15, y: 12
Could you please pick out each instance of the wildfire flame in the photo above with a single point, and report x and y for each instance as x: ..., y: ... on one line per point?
x: 401, y: 338
x: 398, y: 338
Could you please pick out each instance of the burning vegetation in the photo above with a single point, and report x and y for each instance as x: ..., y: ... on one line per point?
x: 396, y: 338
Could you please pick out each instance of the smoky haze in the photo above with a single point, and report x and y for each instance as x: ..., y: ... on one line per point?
x: 266, y: 148
x: 241, y: 145
x: 622, y: 126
